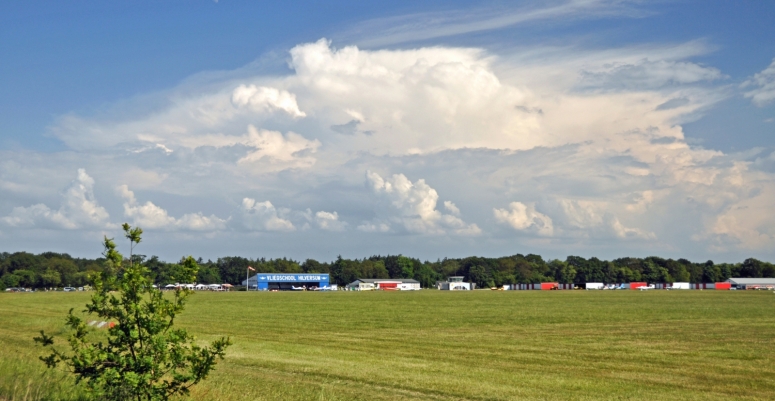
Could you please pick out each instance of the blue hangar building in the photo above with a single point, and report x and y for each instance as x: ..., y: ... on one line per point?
x: 288, y: 281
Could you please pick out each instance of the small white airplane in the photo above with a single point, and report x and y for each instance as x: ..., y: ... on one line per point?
x: 324, y: 288
x: 648, y: 287
x: 302, y: 288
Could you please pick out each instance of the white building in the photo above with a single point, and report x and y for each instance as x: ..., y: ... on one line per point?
x: 752, y: 283
x: 390, y: 284
x: 455, y: 283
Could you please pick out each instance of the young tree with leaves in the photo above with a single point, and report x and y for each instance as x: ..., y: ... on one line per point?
x: 145, y: 357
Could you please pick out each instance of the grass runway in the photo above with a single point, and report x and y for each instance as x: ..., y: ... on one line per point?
x: 480, y: 345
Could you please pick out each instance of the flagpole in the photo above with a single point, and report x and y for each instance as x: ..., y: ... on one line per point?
x: 247, y: 278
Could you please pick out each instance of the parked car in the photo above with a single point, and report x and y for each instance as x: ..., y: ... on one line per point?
x: 11, y: 289
x: 68, y: 289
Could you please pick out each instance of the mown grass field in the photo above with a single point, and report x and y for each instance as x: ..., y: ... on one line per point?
x: 482, y: 345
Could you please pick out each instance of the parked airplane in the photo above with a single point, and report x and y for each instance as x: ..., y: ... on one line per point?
x: 302, y: 288
x: 649, y: 287
x: 614, y: 287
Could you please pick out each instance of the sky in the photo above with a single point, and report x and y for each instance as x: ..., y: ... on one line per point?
x: 434, y: 129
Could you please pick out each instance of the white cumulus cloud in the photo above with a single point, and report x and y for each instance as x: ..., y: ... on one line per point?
x: 151, y: 216
x: 413, y: 205
x: 263, y: 216
x: 263, y: 98
x: 329, y: 221
x: 524, y: 217
x: 594, y: 219
x: 451, y: 208
x: 290, y: 149
x: 79, y: 209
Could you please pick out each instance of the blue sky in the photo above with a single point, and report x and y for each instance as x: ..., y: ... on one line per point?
x: 310, y: 129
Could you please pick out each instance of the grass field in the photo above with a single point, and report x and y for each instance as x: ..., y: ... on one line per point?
x: 483, y: 345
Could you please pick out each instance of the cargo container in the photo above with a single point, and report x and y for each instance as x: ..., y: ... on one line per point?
x: 638, y: 284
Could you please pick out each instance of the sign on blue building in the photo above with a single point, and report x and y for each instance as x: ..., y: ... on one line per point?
x: 288, y: 281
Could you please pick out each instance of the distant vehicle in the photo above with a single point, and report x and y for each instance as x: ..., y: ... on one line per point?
x: 11, y: 289
x: 80, y: 288
x: 68, y: 289
x: 323, y: 288
x: 302, y: 288
x: 648, y: 287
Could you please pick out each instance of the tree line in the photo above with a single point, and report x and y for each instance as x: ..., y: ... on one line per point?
x: 49, y: 269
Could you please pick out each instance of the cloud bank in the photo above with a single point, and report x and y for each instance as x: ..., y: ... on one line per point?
x: 553, y: 149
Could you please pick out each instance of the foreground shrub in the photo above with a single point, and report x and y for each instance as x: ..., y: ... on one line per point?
x: 145, y: 357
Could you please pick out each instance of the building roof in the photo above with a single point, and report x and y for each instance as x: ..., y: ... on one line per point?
x: 752, y: 281
x: 385, y: 280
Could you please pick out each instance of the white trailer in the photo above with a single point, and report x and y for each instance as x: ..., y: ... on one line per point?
x: 680, y: 286
x: 595, y: 286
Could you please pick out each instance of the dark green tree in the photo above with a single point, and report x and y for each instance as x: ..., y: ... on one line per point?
x: 563, y: 272
x: 313, y: 266
x: 145, y: 357
x: 392, y: 266
x: 406, y: 266
x: 208, y: 274
x: 752, y: 268
x: 27, y: 278
x: 710, y: 272
x: 477, y: 273
x: 425, y: 275
x: 50, y: 278
x: 232, y: 269
x: 374, y: 269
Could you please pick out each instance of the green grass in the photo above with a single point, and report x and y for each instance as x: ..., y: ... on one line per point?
x: 483, y: 345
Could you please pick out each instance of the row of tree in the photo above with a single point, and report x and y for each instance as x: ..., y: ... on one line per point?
x: 50, y: 269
